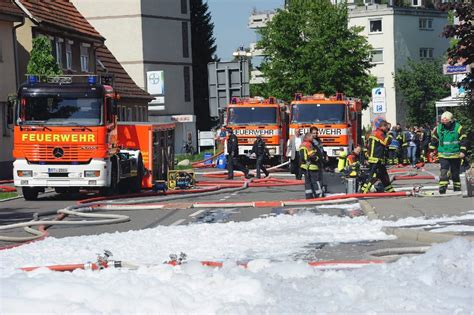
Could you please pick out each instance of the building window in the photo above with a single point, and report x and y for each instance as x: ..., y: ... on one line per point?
x: 375, y: 26
x: 184, y: 6
x: 184, y: 26
x: 426, y: 24
x: 69, y: 55
x: 377, y: 56
x: 85, y: 57
x: 187, y: 84
x: 426, y: 53
x: 59, y: 52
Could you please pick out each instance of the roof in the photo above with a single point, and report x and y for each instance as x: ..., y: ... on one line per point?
x: 123, y: 83
x: 61, y: 14
x: 9, y: 8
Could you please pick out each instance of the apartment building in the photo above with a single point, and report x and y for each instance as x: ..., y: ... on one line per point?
x: 396, y: 35
x: 152, y: 41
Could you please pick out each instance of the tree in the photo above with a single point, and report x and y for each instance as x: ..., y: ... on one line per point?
x: 422, y: 83
x: 461, y: 52
x: 41, y: 60
x: 203, y: 52
x: 309, y: 48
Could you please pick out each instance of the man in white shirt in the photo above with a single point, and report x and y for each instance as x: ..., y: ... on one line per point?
x: 292, y: 152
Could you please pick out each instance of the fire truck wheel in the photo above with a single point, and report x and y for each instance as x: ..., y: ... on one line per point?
x: 136, y: 182
x: 30, y: 193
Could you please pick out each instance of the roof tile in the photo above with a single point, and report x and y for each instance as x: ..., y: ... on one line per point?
x: 8, y: 7
x: 123, y: 84
x: 60, y: 13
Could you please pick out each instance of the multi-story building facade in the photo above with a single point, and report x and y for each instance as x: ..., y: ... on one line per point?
x: 9, y: 15
x: 396, y: 35
x: 152, y: 40
x: 79, y: 49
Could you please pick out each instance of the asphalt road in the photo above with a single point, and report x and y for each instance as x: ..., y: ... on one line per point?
x: 19, y: 210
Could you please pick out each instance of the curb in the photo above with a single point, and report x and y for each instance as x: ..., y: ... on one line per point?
x: 409, y: 234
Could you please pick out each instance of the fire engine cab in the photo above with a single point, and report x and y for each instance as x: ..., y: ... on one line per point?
x: 338, y: 119
x: 249, y: 117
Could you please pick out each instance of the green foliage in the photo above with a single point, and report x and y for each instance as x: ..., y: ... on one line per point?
x: 41, y: 60
x: 310, y: 49
x: 422, y: 83
x: 203, y: 52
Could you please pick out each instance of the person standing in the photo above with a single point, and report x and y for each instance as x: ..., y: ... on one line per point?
x: 260, y: 150
x: 394, y: 147
x: 322, y: 155
x: 425, y: 140
x: 378, y: 143
x: 233, y: 154
x: 411, y: 146
x: 310, y: 167
x: 293, y: 153
x: 451, y: 142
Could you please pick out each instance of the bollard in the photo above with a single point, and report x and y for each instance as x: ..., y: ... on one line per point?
x: 351, y: 185
x: 466, y: 188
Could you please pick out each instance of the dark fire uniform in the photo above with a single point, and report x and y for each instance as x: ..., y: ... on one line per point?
x: 310, y: 168
x: 378, y: 143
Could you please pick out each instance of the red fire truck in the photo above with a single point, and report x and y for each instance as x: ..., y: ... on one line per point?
x: 249, y: 117
x: 338, y: 119
x: 67, y: 137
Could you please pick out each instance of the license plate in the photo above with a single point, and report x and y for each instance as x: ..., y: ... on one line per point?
x: 57, y: 170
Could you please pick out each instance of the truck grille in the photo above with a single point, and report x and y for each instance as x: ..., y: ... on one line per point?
x: 37, y: 153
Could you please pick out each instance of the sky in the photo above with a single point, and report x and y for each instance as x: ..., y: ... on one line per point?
x: 230, y: 18
x: 275, y: 282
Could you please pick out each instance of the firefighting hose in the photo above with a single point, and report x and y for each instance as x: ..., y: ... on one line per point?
x: 106, y: 261
x: 6, y: 188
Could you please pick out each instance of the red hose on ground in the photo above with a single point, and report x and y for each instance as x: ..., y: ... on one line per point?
x: 7, y: 188
x: 408, y: 177
x: 206, y: 263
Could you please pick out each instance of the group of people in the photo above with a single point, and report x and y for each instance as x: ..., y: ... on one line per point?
x: 447, y: 139
x: 408, y: 146
x: 385, y: 146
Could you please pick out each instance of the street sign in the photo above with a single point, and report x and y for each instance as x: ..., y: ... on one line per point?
x: 456, y: 69
x: 378, y: 100
x: 155, y: 82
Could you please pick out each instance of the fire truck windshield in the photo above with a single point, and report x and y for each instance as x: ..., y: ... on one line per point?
x: 62, y: 111
x: 318, y: 113
x: 252, y: 115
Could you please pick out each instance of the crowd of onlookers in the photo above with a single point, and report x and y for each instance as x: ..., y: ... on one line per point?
x: 409, y: 145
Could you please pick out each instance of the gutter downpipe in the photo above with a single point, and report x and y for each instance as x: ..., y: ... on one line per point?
x: 15, y: 54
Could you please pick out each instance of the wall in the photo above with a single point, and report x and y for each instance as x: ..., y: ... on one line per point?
x: 7, y: 86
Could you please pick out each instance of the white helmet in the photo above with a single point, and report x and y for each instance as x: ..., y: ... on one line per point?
x: 446, y: 117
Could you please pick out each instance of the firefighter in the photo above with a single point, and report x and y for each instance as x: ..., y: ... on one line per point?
x: 394, y: 147
x: 233, y: 152
x: 378, y: 143
x: 451, y: 142
x: 322, y: 155
x: 261, y: 152
x: 310, y: 167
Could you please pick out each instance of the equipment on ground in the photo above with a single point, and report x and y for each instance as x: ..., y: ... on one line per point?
x: 268, y: 118
x: 67, y: 137
x: 181, y: 179
x: 338, y: 119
